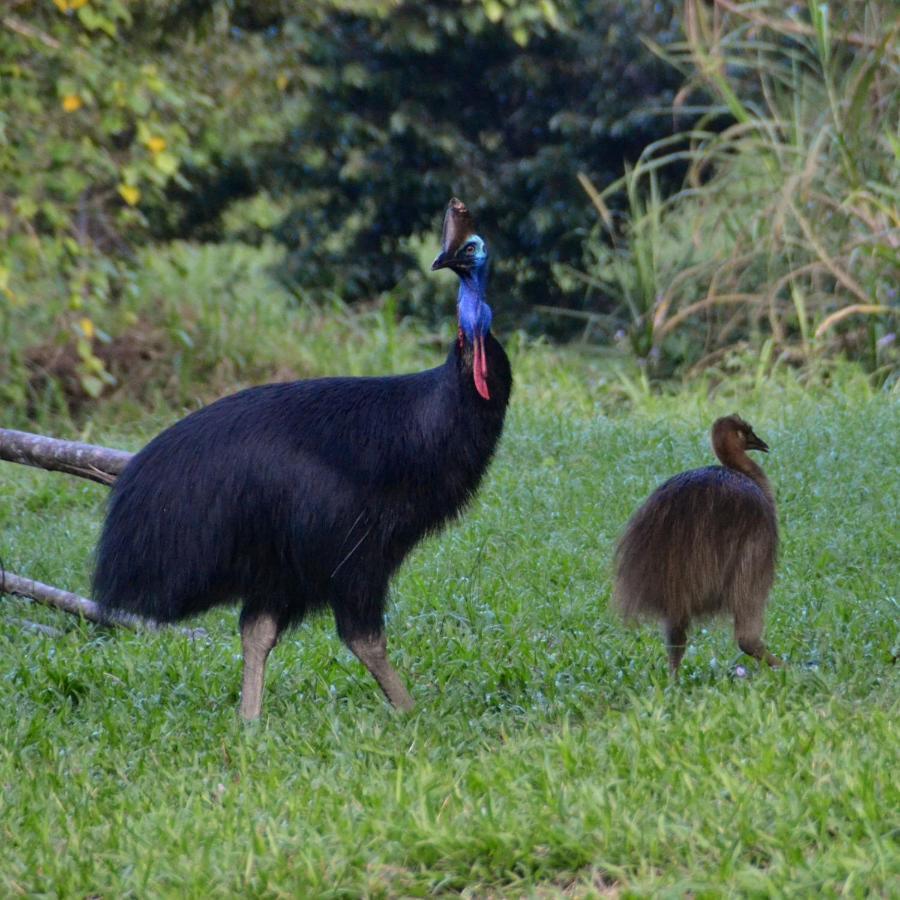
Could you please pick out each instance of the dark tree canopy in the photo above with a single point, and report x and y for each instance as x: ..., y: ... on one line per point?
x: 387, y: 110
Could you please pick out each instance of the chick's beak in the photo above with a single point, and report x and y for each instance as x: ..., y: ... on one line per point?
x: 756, y: 443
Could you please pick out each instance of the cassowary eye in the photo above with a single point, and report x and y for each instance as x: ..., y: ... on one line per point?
x: 470, y: 249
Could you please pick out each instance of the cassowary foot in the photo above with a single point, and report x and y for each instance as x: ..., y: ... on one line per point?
x: 371, y: 651
x: 258, y: 636
x: 756, y: 648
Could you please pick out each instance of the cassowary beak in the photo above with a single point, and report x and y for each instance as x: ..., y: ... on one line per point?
x: 448, y: 260
x: 756, y: 443
x: 442, y: 261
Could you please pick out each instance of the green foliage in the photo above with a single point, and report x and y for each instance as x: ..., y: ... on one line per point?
x: 142, y: 144
x: 92, y: 130
x: 398, y: 105
x: 785, y: 236
x: 339, y: 129
x: 199, y: 320
x: 549, y: 755
x: 357, y: 119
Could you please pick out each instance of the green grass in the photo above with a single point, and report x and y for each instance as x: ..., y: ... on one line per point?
x: 548, y: 754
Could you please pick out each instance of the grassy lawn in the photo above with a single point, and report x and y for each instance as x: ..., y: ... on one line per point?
x: 549, y: 754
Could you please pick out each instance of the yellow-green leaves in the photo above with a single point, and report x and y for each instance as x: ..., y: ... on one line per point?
x: 155, y: 144
x: 167, y: 163
x: 129, y: 193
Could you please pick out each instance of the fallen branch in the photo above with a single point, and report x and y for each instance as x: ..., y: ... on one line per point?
x: 100, y: 464
x: 51, y: 596
x: 80, y: 606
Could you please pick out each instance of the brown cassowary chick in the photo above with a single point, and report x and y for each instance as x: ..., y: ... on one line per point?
x: 704, y: 543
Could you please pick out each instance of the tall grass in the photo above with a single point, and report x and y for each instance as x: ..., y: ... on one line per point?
x: 786, y: 234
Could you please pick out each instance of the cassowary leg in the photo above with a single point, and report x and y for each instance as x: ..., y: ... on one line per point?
x: 676, y: 643
x: 259, y: 635
x: 371, y: 651
x: 748, y: 628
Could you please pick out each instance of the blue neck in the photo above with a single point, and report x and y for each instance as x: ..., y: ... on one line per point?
x: 474, y: 314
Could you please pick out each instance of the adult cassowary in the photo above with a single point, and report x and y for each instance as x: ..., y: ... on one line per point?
x: 292, y: 497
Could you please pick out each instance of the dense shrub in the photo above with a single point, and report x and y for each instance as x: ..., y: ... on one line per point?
x: 503, y: 104
x: 340, y: 129
x: 330, y: 134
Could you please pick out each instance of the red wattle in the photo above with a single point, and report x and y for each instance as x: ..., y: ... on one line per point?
x: 479, y: 369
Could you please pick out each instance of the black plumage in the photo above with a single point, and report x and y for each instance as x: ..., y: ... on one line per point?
x: 292, y: 497
x: 704, y: 543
